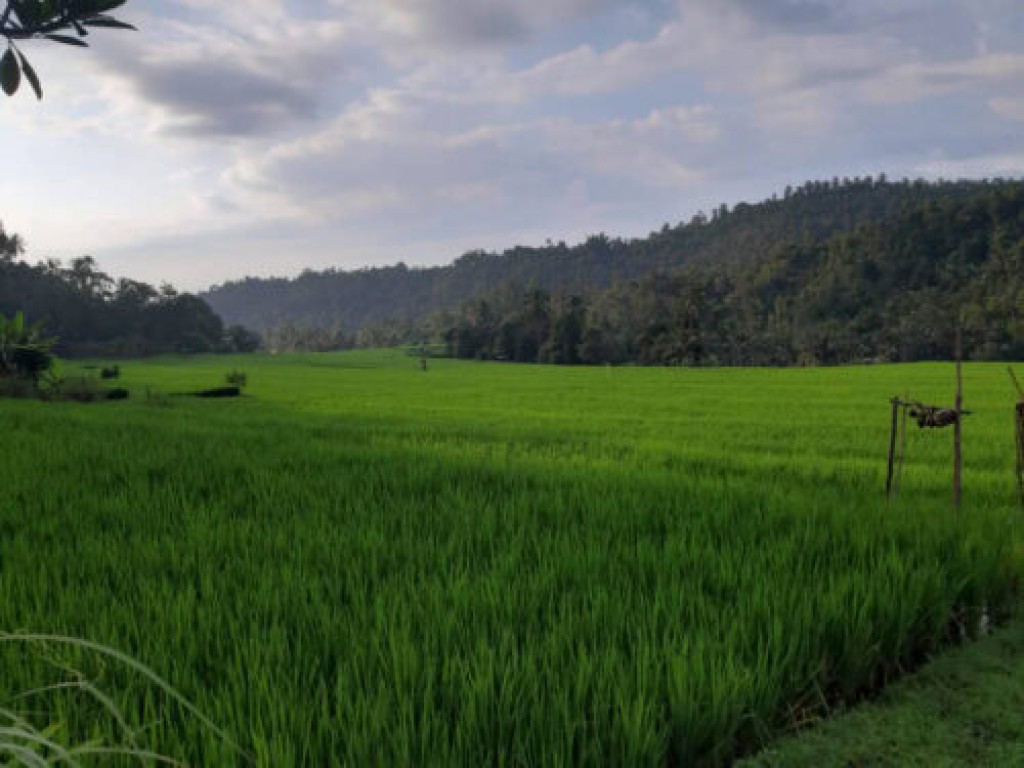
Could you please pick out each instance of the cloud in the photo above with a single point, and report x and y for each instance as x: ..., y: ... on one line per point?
x: 1010, y: 108
x: 423, y: 122
x: 986, y: 165
x: 922, y: 80
x: 400, y: 158
x: 729, y: 50
x: 786, y: 13
x: 441, y: 23
x: 220, y: 98
x: 229, y: 73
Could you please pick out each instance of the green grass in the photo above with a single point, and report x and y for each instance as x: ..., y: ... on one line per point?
x: 965, y: 709
x: 362, y: 564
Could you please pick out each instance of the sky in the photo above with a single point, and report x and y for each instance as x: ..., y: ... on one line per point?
x: 265, y: 137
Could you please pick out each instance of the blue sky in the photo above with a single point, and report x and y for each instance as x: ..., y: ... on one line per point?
x: 269, y: 136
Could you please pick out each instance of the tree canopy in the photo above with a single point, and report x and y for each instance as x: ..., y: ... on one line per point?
x: 891, y: 291
x: 385, y: 303
x: 61, y: 21
x: 95, y: 315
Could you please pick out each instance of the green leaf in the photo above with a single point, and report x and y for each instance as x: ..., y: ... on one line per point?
x: 30, y: 75
x: 67, y: 40
x: 10, y: 73
x: 29, y: 12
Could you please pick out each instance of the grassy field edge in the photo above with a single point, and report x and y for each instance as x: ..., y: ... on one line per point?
x: 964, y: 708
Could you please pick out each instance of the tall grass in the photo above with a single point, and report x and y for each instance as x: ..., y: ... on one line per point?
x: 363, y: 564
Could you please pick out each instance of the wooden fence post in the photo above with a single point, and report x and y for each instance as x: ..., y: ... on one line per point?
x: 1020, y: 451
x: 892, y: 445
x: 1019, y: 432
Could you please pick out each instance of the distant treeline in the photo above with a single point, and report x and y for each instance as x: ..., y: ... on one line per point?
x: 892, y: 291
x: 93, y: 315
x: 374, y: 305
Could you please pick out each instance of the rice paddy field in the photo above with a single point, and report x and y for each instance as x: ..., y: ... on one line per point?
x: 360, y: 564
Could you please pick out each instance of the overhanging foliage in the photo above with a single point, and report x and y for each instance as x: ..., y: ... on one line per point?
x: 60, y: 21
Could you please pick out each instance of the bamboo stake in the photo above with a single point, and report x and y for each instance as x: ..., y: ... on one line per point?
x: 902, y: 451
x: 1020, y: 451
x: 892, y: 445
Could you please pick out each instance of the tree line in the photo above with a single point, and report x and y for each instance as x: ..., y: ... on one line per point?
x: 890, y: 291
x: 388, y: 297
x: 828, y: 273
x: 94, y: 315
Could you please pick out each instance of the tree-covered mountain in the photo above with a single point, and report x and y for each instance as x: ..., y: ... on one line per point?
x: 94, y: 315
x: 894, y: 290
x: 350, y: 301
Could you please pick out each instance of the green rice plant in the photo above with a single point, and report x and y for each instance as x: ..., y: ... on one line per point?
x: 27, y: 744
x: 360, y: 565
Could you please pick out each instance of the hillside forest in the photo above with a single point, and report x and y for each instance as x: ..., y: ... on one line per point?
x: 828, y: 273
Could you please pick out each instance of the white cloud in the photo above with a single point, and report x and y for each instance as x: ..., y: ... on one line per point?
x: 445, y: 22
x: 401, y: 155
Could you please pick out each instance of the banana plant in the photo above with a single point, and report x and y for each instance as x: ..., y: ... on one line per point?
x: 25, y: 351
x: 60, y: 21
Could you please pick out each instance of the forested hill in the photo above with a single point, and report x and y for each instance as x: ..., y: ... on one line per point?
x: 887, y: 291
x: 745, y: 234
